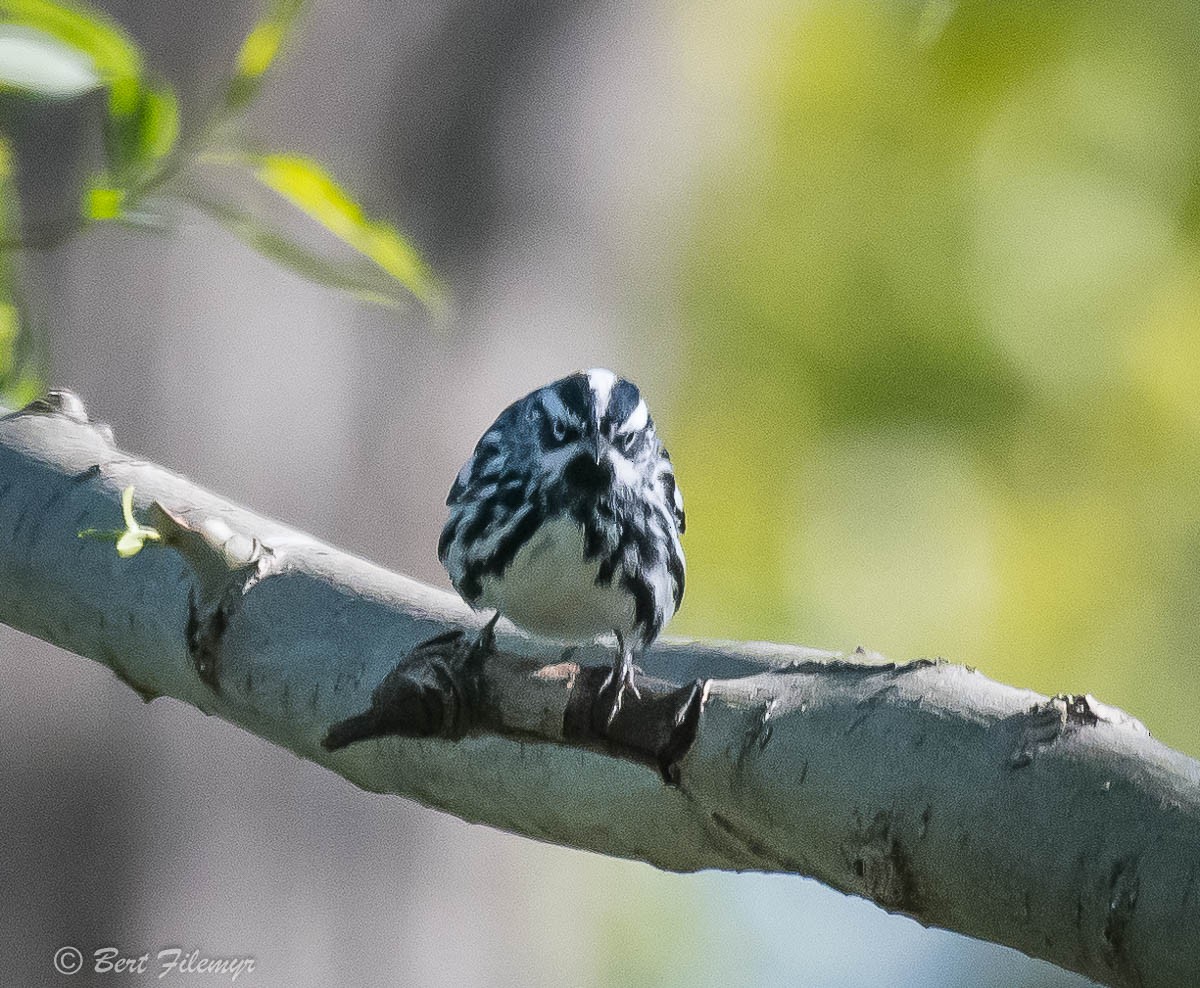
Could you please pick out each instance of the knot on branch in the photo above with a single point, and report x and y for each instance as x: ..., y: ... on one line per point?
x: 881, y: 868
x: 433, y: 692
x: 444, y: 688
x: 60, y: 401
x: 226, y: 565
x: 656, y: 727
x: 1049, y: 722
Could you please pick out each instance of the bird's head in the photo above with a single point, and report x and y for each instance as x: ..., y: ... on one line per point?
x: 592, y: 431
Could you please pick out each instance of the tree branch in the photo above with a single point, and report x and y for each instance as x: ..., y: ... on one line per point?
x: 1056, y: 826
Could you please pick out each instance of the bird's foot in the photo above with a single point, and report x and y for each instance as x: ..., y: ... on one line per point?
x: 619, y: 680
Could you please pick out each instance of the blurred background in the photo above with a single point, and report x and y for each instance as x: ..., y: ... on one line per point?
x: 914, y: 290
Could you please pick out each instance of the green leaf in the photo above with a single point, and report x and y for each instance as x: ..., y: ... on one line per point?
x: 363, y: 281
x: 131, y: 539
x: 9, y: 328
x: 260, y: 49
x: 157, y: 127
x: 129, y: 544
x: 19, y: 382
x: 138, y: 143
x: 20, y: 389
x: 103, y: 203
x: 310, y: 188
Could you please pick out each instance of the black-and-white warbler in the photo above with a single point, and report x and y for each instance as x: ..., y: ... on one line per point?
x: 566, y: 519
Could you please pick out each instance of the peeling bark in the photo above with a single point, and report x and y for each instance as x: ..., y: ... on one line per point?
x: 1057, y: 826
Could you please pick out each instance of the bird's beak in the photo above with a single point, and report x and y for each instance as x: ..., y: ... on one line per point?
x: 596, y: 446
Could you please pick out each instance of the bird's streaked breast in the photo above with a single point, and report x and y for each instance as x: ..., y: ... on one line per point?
x: 549, y: 588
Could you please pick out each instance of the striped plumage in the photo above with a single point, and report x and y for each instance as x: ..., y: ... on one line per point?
x: 566, y: 519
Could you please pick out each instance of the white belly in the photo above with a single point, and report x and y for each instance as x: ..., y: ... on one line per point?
x: 551, y: 590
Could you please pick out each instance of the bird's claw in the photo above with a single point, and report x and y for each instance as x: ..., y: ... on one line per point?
x: 484, y: 643
x: 618, y: 681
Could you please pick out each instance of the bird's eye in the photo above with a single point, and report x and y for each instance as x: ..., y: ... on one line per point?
x: 558, y: 432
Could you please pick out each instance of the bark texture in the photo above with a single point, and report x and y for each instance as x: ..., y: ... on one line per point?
x: 1056, y: 826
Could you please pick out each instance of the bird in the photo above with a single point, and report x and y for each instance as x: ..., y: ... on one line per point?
x: 567, y: 518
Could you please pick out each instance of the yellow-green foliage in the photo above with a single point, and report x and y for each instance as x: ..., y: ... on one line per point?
x: 942, y: 381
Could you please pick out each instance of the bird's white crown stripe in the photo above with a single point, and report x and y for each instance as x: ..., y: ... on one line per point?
x: 601, y: 382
